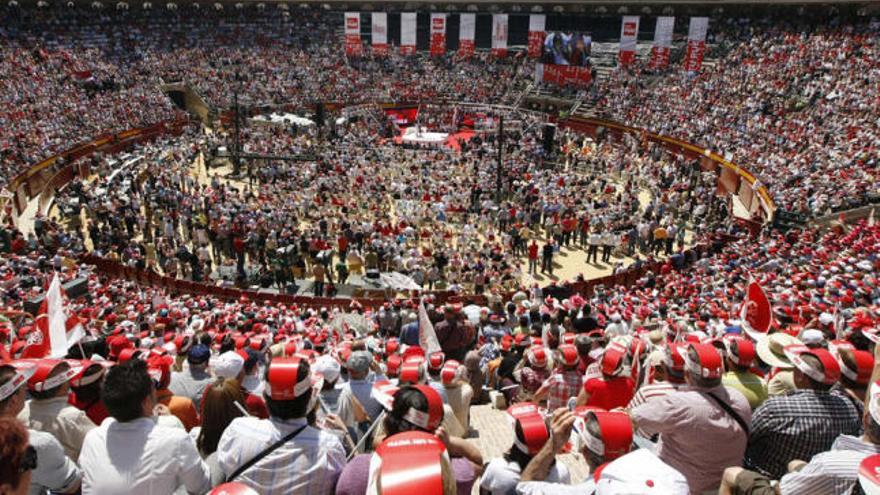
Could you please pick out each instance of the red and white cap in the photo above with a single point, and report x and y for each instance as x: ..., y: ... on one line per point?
x: 182, y: 343
x: 24, y: 370
x: 864, y: 366
x: 872, y: 401
x: 616, y: 432
x: 531, y: 422
x: 569, y: 338
x: 830, y: 372
x: 449, y: 371
x: 407, y: 463
x: 869, y: 474
x: 40, y: 381
x: 233, y: 488
x: 568, y: 354
x: 538, y: 356
x: 129, y: 354
x: 436, y: 360
x: 740, y: 350
x: 709, y: 365
x: 283, y: 382
x: 613, y: 359
x: 675, y: 356
x: 428, y: 421
x: 81, y: 379
x: 411, y: 372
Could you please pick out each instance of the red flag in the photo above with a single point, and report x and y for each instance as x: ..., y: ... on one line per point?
x: 755, y: 313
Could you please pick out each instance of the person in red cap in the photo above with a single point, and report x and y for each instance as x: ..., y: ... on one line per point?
x: 85, y: 391
x: 54, y: 470
x: 834, y: 471
x: 122, y: 454
x: 48, y: 409
x: 693, y: 422
x: 307, y: 461
x: 565, y: 382
x: 159, y: 367
x: 530, y: 435
x: 615, y: 388
x: 803, y: 423
x: 855, y: 374
x: 738, y: 359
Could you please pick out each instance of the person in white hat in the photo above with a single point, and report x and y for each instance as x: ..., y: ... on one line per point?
x: 770, y: 351
x: 833, y: 472
x: 330, y: 369
x: 54, y: 471
x: 804, y: 423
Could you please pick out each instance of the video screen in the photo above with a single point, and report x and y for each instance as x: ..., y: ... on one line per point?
x: 567, y: 49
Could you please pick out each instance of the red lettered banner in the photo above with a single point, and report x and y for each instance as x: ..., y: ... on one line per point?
x: 662, y: 42
x: 438, y: 34
x: 403, y: 116
x: 408, y: 33
x: 537, y: 23
x: 499, y: 35
x: 353, y: 33
x: 563, y: 75
x: 629, y: 33
x: 379, y: 27
x: 466, y: 25
x: 693, y: 61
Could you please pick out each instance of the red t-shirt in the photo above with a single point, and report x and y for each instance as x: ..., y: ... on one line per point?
x: 609, y: 394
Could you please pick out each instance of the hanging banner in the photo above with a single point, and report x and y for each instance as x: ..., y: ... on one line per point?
x: 353, y: 33
x: 629, y: 34
x: 662, y: 42
x: 537, y: 23
x: 438, y: 34
x: 380, y: 33
x: 693, y: 61
x: 499, y: 35
x: 466, y: 27
x: 408, y: 33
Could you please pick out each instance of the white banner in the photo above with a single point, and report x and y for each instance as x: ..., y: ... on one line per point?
x: 466, y: 27
x: 379, y: 26
x: 629, y: 34
x: 662, y: 41
x: 499, y: 35
x: 537, y: 24
x: 352, y: 33
x: 693, y: 60
x: 408, y: 33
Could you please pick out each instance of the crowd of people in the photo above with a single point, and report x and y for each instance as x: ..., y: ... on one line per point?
x: 661, y: 386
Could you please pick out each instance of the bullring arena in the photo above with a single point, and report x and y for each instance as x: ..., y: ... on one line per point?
x: 315, y: 248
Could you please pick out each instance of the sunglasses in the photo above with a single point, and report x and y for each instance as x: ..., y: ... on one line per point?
x: 29, y: 460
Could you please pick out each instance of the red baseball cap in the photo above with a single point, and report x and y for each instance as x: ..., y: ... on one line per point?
x: 283, y: 381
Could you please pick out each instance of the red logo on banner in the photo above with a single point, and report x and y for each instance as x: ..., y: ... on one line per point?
x: 536, y: 40
x: 466, y: 47
x: 629, y: 28
x: 407, y: 50
x: 627, y: 57
x: 438, y: 23
x: 352, y: 23
x: 694, y: 59
x: 659, y: 57
x: 564, y: 75
x: 756, y: 312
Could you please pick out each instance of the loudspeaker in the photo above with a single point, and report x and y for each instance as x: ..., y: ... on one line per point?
x: 549, y: 137
x: 73, y: 289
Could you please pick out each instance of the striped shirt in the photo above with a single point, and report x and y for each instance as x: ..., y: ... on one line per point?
x: 834, y: 472
x: 308, y: 464
x: 648, y: 392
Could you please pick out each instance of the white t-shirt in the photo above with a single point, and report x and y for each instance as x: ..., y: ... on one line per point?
x: 501, y: 476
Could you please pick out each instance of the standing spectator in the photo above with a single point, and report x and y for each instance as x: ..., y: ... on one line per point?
x: 122, y: 455
x: 547, y: 258
x: 308, y: 460
x: 533, y: 258
x: 318, y: 272
x: 692, y: 423
x: 48, y: 409
x: 803, y: 423
x: 594, y: 241
x: 191, y: 382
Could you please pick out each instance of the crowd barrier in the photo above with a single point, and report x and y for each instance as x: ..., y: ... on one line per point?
x: 117, y: 270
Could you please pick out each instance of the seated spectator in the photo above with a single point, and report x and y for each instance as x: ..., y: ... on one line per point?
x: 54, y: 471
x: 17, y: 458
x: 615, y: 388
x: 693, y: 422
x: 48, y: 409
x: 191, y: 381
x: 221, y: 405
x: 231, y: 365
x: 85, y: 391
x: 565, y: 382
x: 121, y: 455
x: 738, y: 359
x: 251, y: 451
x: 458, y: 391
x: 411, y: 461
x: 803, y: 423
x: 159, y: 367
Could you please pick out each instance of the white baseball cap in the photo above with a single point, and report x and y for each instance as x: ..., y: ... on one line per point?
x: 328, y: 367
x: 640, y: 473
x: 228, y: 365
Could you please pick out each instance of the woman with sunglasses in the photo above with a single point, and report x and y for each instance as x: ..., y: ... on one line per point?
x: 17, y: 458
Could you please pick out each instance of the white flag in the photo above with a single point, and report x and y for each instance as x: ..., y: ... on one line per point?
x: 57, y: 319
x: 427, y: 338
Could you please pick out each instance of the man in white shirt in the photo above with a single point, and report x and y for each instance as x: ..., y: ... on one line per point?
x: 307, y: 463
x: 48, y: 409
x: 130, y: 453
x: 55, y: 471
